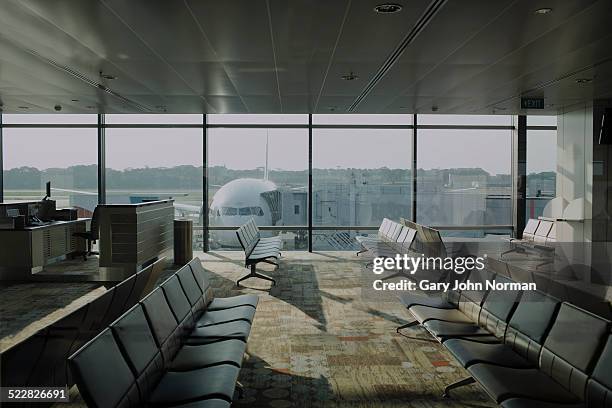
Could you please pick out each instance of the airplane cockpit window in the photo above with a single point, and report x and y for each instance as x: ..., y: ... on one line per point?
x: 229, y: 211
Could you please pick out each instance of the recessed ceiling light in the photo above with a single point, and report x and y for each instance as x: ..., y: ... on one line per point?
x: 123, y: 56
x: 23, y: 107
x: 350, y: 76
x: 74, y: 100
x: 332, y: 108
x: 543, y: 10
x: 388, y: 8
x: 584, y: 80
x: 434, y: 108
x: 107, y: 76
x: 90, y: 107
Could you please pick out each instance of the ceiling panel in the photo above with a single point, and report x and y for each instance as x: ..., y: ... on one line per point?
x: 273, y: 56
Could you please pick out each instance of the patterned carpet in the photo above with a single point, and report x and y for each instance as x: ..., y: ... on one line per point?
x: 317, y: 343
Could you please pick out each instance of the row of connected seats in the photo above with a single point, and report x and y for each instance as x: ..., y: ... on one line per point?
x: 40, y: 360
x: 392, y: 238
x: 526, y: 349
x: 538, y: 235
x: 257, y: 249
x: 179, y: 347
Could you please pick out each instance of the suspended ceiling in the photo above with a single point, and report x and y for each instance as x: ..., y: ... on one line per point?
x: 289, y: 56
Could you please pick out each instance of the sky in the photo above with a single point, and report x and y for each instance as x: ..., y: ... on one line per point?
x: 288, y: 148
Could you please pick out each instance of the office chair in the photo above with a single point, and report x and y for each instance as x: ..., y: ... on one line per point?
x: 91, y: 236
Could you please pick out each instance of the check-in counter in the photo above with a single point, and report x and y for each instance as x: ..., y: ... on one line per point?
x: 28, y: 250
x: 133, y: 236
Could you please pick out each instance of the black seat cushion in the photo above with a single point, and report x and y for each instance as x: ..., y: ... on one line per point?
x: 102, y: 374
x: 453, y: 329
x: 413, y: 299
x: 222, y: 352
x: 502, y: 383
x: 234, y: 301
x: 425, y: 313
x: 239, y: 329
x: 471, y: 352
x: 181, y: 387
x: 207, y: 403
x: 529, y: 403
x: 227, y: 315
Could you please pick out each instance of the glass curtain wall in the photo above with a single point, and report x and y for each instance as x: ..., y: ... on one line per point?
x: 157, y: 157
x: 258, y: 169
x: 362, y: 170
x: 362, y: 173
x: 464, y: 173
x: 61, y: 149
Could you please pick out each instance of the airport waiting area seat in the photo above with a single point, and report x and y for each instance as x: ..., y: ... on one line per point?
x: 257, y: 249
x: 539, y: 236
x: 173, y: 348
x: 399, y: 241
x: 525, y: 348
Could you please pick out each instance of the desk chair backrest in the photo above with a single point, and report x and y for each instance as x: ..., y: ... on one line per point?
x: 95, y: 224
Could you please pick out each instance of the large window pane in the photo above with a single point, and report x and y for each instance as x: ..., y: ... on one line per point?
x: 360, y: 176
x: 65, y: 156
x: 240, y: 188
x: 464, y: 177
x: 541, y: 165
x: 154, y: 164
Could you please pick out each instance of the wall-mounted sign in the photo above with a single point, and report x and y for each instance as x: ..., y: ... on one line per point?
x: 532, y: 103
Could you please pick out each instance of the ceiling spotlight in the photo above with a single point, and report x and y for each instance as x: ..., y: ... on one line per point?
x: 434, y: 108
x: 543, y: 10
x: 74, y: 100
x: 90, y: 107
x: 332, y: 108
x: 350, y: 76
x: 388, y: 8
x: 584, y: 80
x: 23, y: 107
x: 107, y: 76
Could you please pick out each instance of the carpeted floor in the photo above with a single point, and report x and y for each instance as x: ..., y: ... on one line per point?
x: 316, y: 342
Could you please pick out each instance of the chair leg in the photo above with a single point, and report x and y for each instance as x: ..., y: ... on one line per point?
x: 270, y: 262
x: 407, y: 325
x: 240, y: 389
x: 460, y: 383
x: 254, y: 274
